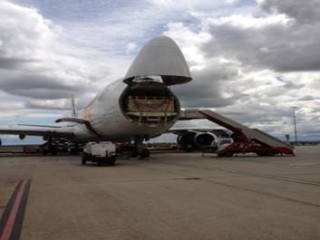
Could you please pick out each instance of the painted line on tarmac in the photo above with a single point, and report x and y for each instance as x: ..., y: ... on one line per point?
x: 303, y: 164
x: 12, y: 217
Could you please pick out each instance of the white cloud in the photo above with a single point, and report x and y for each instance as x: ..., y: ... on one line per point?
x: 190, y: 42
x: 304, y: 12
x: 251, y: 62
x: 131, y: 47
x: 24, y: 33
x: 60, y: 104
x: 36, y: 60
x: 274, y: 65
x: 193, y: 4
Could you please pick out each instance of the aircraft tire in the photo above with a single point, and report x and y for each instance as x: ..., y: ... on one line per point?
x: 145, y: 153
x: 265, y: 154
x: 84, y: 159
x: 133, y: 153
x: 100, y: 162
x: 54, y: 152
x: 112, y: 161
x: 228, y: 154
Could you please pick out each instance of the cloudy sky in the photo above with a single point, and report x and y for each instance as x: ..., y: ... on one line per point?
x: 252, y: 60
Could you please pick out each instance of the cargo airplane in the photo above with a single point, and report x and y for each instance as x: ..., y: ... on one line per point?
x: 135, y: 108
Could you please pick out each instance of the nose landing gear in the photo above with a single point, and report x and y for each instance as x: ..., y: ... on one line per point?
x: 138, y: 149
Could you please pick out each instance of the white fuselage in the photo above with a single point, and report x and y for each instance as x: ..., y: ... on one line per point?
x: 110, y: 122
x: 138, y: 107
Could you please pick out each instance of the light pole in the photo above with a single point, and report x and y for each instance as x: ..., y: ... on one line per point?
x: 295, y: 124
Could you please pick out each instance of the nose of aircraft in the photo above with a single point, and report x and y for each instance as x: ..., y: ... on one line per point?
x: 161, y: 56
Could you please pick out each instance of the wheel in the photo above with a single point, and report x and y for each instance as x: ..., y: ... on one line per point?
x: 84, y: 159
x: 112, y: 161
x: 54, y: 152
x: 145, y: 153
x: 133, y: 152
x: 100, y: 162
x: 265, y: 154
x: 187, y: 148
x: 226, y: 154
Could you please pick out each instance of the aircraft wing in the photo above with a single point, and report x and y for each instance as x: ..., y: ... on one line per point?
x: 193, y: 114
x: 180, y: 131
x: 34, y: 130
x: 219, y: 132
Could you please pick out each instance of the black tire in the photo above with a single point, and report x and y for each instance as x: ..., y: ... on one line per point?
x: 84, y: 159
x: 188, y: 148
x: 54, y: 152
x: 112, y: 161
x: 100, y: 162
x: 265, y: 154
x: 145, y: 153
x: 133, y: 152
x: 227, y: 154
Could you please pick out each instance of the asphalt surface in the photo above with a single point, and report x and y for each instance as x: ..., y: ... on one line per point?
x: 169, y: 196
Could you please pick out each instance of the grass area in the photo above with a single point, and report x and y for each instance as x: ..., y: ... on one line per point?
x: 11, y: 149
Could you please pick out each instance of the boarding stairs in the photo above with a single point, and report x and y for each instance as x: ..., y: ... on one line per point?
x: 245, y: 139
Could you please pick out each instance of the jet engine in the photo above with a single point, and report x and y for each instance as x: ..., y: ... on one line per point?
x: 205, y: 140
x: 193, y: 140
x: 186, y: 142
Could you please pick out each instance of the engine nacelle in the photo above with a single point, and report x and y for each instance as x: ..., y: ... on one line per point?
x: 206, y: 140
x: 192, y: 140
x: 186, y: 141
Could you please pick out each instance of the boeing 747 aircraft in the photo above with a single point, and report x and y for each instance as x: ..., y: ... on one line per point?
x: 138, y: 107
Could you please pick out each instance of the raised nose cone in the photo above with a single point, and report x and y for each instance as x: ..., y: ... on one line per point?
x: 160, y: 56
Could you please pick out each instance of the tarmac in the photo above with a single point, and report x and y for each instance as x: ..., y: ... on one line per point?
x: 170, y: 196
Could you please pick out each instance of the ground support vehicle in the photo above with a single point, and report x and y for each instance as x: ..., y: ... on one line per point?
x: 245, y: 139
x: 102, y: 153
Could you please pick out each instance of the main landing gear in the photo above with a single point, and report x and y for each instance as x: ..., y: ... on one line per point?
x: 53, y: 146
x: 138, y: 150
